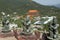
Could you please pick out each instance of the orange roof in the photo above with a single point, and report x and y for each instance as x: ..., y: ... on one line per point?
x: 33, y: 11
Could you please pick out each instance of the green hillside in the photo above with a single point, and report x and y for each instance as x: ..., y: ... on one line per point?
x: 22, y: 6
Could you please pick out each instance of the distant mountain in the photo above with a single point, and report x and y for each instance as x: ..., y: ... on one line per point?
x: 57, y: 5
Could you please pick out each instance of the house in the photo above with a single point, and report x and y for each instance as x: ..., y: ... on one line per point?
x: 33, y: 13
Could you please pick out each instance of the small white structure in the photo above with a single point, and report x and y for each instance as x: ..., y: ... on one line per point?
x: 13, y: 25
x: 3, y: 13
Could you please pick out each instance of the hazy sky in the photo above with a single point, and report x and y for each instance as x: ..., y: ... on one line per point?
x: 48, y: 2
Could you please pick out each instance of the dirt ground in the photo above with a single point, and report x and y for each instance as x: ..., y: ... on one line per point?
x: 8, y: 38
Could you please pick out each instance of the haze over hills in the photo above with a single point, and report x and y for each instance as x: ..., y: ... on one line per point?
x: 22, y: 7
x: 57, y: 5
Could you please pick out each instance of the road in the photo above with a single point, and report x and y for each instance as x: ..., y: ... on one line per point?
x: 8, y: 38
